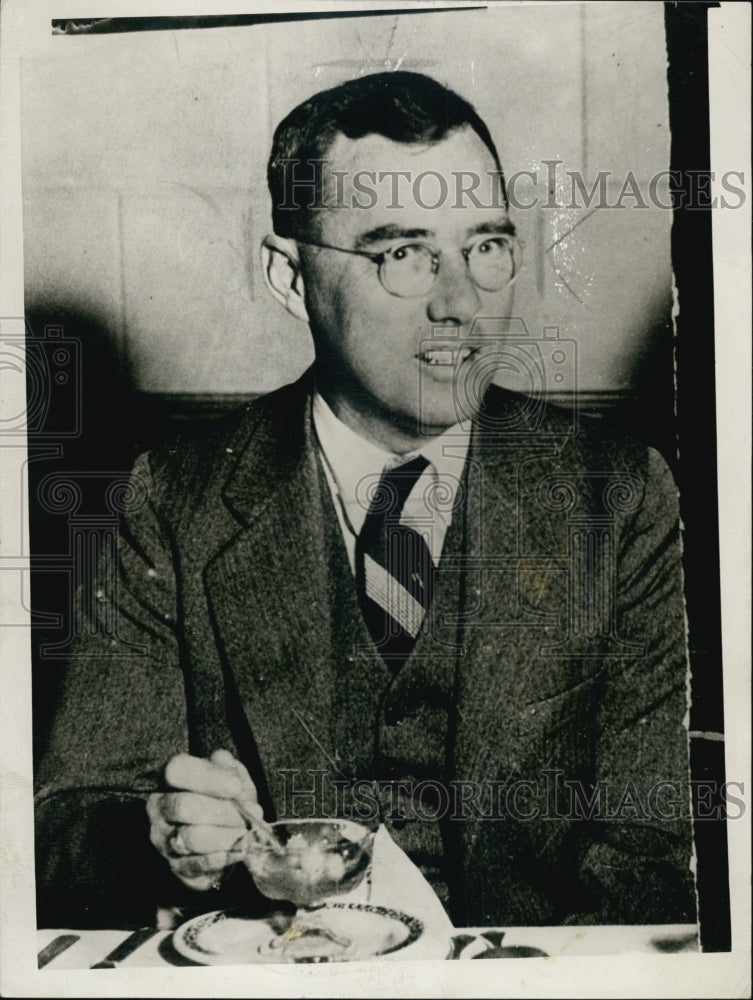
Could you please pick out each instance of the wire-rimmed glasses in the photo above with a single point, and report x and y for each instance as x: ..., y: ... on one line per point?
x: 409, y: 269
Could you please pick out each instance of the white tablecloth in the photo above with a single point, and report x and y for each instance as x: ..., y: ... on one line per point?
x: 92, y: 946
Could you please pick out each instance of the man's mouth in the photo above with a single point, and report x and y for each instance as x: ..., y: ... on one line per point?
x: 448, y: 356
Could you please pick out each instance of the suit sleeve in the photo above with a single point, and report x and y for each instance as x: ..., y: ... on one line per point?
x: 638, y: 865
x: 121, y: 715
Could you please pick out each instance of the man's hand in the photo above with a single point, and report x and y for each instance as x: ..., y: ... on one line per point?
x: 198, y: 827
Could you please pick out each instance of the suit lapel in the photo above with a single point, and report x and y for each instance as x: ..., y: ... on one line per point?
x: 500, y: 672
x: 267, y: 594
x: 486, y: 682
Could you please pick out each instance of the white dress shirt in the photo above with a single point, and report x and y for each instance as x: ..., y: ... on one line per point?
x: 353, y: 466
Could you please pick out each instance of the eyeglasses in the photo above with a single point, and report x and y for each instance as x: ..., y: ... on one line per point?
x: 409, y: 270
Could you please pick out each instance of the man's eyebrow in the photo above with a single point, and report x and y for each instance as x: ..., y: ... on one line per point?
x: 499, y: 226
x: 390, y: 232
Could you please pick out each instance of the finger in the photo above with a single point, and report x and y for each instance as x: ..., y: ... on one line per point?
x: 204, y: 810
x: 197, y: 865
x: 154, y: 807
x: 159, y: 829
x: 212, y: 839
x: 169, y: 839
x: 195, y: 774
x: 252, y: 809
x: 248, y: 800
x: 212, y: 880
x: 203, y: 883
x: 224, y: 759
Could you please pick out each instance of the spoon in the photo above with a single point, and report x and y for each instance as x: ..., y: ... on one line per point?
x: 247, y: 805
x: 261, y: 830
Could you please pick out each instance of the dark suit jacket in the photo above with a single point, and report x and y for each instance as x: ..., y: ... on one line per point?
x: 213, y: 626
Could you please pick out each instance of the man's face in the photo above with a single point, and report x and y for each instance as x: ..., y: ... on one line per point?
x: 374, y: 366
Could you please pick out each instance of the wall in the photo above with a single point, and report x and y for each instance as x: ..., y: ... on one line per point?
x: 144, y: 159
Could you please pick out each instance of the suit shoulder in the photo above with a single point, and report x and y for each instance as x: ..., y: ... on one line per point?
x: 196, y: 460
x: 587, y: 441
x: 225, y: 434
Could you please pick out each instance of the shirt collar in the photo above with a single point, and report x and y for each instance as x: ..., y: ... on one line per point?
x: 350, y: 458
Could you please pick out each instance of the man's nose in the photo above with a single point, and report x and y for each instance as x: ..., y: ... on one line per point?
x: 454, y: 296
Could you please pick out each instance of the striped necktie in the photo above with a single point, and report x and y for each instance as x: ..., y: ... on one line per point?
x: 394, y: 569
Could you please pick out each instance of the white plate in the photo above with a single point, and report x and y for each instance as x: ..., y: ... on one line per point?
x: 354, y: 932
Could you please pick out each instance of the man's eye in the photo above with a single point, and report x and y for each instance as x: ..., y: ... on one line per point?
x: 408, y: 252
x: 491, y: 247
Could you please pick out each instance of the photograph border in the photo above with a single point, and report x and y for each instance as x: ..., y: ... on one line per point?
x: 720, y: 974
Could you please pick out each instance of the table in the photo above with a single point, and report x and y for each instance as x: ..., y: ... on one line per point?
x: 84, y: 949
x: 395, y: 884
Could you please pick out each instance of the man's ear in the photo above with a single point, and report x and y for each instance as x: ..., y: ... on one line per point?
x: 282, y: 273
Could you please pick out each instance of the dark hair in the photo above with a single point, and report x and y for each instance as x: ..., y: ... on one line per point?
x: 404, y: 107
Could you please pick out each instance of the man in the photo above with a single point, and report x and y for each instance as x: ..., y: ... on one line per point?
x: 389, y: 590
